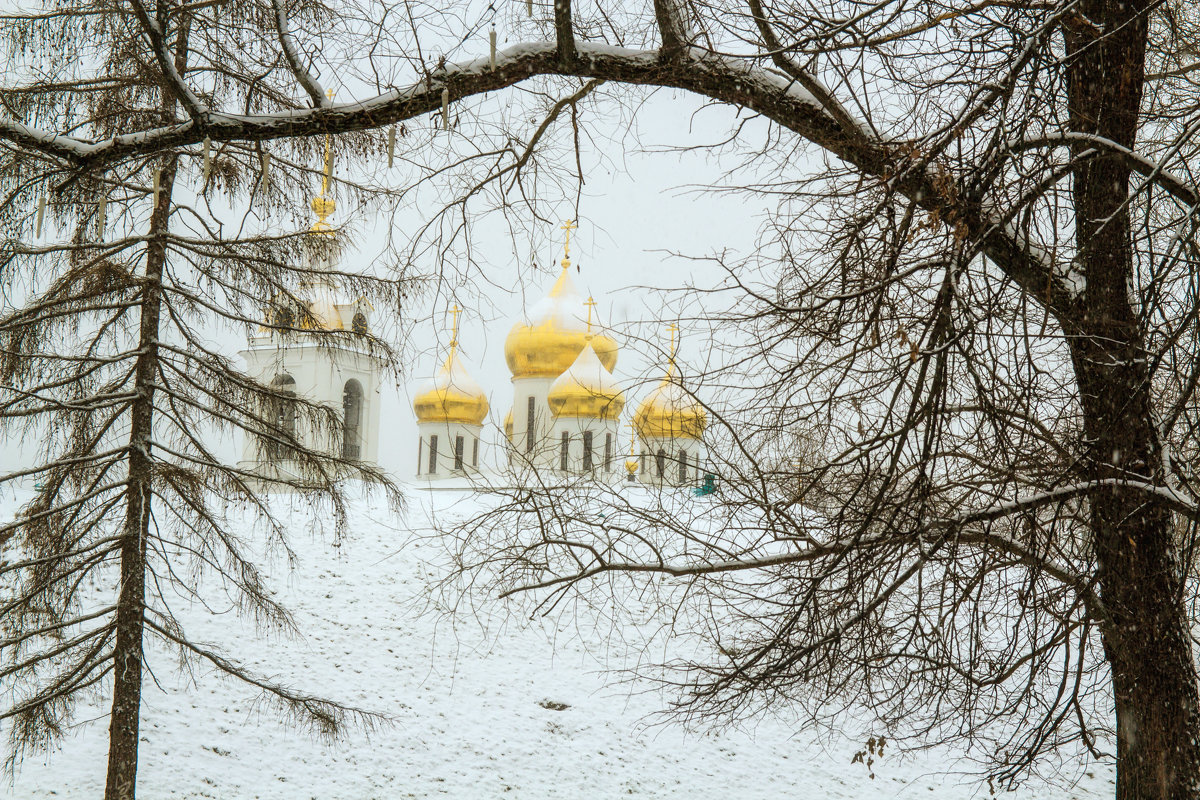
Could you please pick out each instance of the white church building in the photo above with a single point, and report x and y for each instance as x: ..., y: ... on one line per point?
x: 567, y: 406
x: 288, y: 356
x: 567, y: 410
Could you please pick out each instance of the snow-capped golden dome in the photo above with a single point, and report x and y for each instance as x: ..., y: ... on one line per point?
x: 586, y: 389
x: 669, y: 412
x: 452, y: 396
x: 548, y: 342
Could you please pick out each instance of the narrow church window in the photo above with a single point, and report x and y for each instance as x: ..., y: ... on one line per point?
x: 529, y: 429
x: 432, y: 455
x: 660, y: 463
x: 475, y: 452
x: 587, y: 451
x: 458, y: 452
x: 642, y: 457
x: 352, y: 403
x: 420, y: 454
x: 683, y: 465
x: 608, y: 452
x: 566, y: 447
x: 281, y: 413
x: 359, y: 323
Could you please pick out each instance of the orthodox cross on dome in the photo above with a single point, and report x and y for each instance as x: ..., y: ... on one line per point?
x: 454, y: 312
x: 590, y: 305
x: 570, y: 226
x: 672, y: 328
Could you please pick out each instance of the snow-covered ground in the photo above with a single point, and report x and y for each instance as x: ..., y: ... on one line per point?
x: 483, y: 707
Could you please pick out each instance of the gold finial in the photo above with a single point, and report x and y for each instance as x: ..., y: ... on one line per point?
x: 454, y: 312
x: 570, y: 226
x: 324, y: 206
x: 631, y: 464
x: 328, y: 155
x: 672, y: 328
x: 590, y: 305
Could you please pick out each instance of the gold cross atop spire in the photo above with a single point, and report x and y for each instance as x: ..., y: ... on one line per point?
x: 323, y: 206
x: 673, y: 328
x: 328, y: 155
x: 570, y: 226
x: 454, y: 312
x: 590, y: 305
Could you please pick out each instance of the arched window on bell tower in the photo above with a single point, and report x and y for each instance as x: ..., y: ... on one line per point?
x: 352, y: 418
x: 282, y: 417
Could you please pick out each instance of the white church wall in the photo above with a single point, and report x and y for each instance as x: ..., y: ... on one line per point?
x: 605, y: 461
x: 671, y: 462
x: 321, y: 375
x: 437, y: 454
x: 539, y: 451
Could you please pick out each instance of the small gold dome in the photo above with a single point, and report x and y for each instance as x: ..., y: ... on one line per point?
x: 670, y: 413
x: 587, y: 389
x: 631, y: 466
x: 452, y: 396
x: 555, y: 333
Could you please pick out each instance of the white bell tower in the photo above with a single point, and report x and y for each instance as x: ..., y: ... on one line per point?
x: 317, y: 350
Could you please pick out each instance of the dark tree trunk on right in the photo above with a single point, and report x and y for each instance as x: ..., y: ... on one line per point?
x: 1146, y: 633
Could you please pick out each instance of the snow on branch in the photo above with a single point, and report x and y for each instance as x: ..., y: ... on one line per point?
x: 673, y: 28
x: 292, y: 54
x: 1173, y: 184
x: 779, y: 97
x: 166, y: 63
x: 806, y: 79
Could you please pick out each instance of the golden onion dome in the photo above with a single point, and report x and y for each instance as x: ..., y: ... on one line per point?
x: 670, y: 413
x: 548, y: 342
x: 452, y: 396
x: 586, y: 389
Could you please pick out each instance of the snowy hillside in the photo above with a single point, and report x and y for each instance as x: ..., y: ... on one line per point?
x: 486, y: 707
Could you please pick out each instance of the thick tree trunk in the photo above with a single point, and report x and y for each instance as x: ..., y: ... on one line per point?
x: 127, y: 674
x: 1146, y: 635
